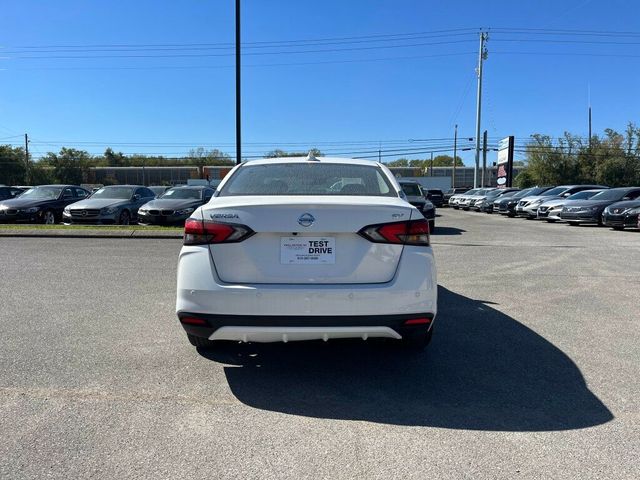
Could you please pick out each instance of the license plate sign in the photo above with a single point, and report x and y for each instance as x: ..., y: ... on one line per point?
x: 307, y: 250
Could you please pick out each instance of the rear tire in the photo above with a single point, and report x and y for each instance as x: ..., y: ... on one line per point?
x: 573, y: 224
x: 201, y: 342
x: 618, y: 228
x: 417, y: 341
x: 432, y: 226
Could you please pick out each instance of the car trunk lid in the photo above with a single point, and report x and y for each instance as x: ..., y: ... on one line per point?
x: 306, y: 239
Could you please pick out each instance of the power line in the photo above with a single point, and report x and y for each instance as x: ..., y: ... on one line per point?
x: 454, y: 31
x: 207, y: 55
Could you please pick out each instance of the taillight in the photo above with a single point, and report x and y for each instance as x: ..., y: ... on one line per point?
x: 203, y: 232
x: 412, y: 232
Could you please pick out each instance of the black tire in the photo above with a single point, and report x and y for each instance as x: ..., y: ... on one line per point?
x: 432, y: 226
x: 201, y: 342
x: 573, y: 224
x: 551, y: 221
x: 618, y: 228
x: 49, y: 218
x: 124, y: 218
x: 418, y: 341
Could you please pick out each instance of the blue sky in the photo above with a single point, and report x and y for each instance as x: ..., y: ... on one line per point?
x: 369, y: 74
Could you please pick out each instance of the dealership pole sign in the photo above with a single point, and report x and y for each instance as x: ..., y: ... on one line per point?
x: 505, y: 162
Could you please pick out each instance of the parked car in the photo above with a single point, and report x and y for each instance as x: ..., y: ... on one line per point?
x: 468, y: 201
x: 528, y: 206
x: 279, y: 257
x: 507, y: 206
x: 436, y: 196
x: 416, y: 197
x: 590, y: 211
x: 7, y: 193
x: 41, y: 204
x: 486, y: 203
x: 113, y: 204
x: 622, y: 215
x: 454, y: 191
x: 174, y: 206
x: 549, y: 210
x: 158, y: 189
x: 455, y: 200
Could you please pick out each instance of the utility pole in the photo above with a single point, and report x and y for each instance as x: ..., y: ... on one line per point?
x: 589, y: 126
x: 380, y: 153
x: 238, y: 127
x: 26, y: 157
x: 482, y: 55
x: 431, y: 169
x: 484, y: 157
x: 589, y: 95
x: 455, y: 154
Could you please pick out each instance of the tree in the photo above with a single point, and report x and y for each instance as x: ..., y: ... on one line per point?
x: 446, y: 161
x: 13, y: 169
x: 438, y: 161
x: 41, y: 174
x: 277, y: 153
x: 401, y: 162
x: 68, y: 166
x: 524, y: 180
x: 114, y: 159
x: 612, y: 159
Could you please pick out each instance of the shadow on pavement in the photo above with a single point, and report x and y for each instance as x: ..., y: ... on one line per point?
x: 483, y: 371
x: 447, y: 231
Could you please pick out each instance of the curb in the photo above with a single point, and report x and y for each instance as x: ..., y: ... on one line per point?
x: 54, y: 233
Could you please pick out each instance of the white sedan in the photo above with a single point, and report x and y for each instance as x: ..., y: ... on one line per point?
x: 307, y: 249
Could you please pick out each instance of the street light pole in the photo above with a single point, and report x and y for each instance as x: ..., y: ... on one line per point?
x: 482, y: 53
x: 238, y: 125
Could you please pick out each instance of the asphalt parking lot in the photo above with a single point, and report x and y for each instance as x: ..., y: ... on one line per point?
x: 534, y: 369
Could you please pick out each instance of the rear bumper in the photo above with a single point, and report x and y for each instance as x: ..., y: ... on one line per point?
x: 265, y: 329
x: 412, y: 291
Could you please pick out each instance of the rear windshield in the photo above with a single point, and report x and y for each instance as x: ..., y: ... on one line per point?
x: 411, y: 189
x: 310, y: 178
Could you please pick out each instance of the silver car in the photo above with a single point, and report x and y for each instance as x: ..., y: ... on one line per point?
x: 550, y: 209
x: 115, y: 204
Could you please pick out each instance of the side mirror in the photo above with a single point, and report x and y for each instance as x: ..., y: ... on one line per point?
x: 136, y: 197
x: 565, y: 195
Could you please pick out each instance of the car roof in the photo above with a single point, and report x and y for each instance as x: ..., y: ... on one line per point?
x: 340, y: 160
